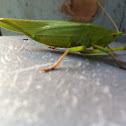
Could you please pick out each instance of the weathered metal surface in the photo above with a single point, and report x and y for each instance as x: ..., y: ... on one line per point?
x: 51, y: 10
x: 84, y: 92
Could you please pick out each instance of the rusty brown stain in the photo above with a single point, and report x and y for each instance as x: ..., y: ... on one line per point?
x: 80, y: 10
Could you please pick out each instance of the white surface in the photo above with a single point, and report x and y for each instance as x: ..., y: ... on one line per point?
x: 86, y: 92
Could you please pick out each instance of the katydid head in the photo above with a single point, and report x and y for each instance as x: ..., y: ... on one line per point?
x: 117, y: 34
x: 108, y: 16
x: 108, y: 37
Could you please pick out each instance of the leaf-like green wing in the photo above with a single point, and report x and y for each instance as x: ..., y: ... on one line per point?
x: 32, y: 26
x: 19, y: 25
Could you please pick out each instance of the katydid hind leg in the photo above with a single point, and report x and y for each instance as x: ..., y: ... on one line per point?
x: 79, y: 48
x: 56, y: 63
x: 111, y: 54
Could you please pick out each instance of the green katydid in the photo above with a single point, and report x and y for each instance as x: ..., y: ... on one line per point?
x: 74, y: 36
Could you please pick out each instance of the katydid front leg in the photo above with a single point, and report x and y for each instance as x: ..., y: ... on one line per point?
x: 109, y: 52
x: 97, y: 51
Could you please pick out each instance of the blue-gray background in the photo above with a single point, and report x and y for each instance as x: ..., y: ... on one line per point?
x: 51, y: 10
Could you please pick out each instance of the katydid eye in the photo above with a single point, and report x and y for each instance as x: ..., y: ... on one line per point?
x: 114, y: 34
